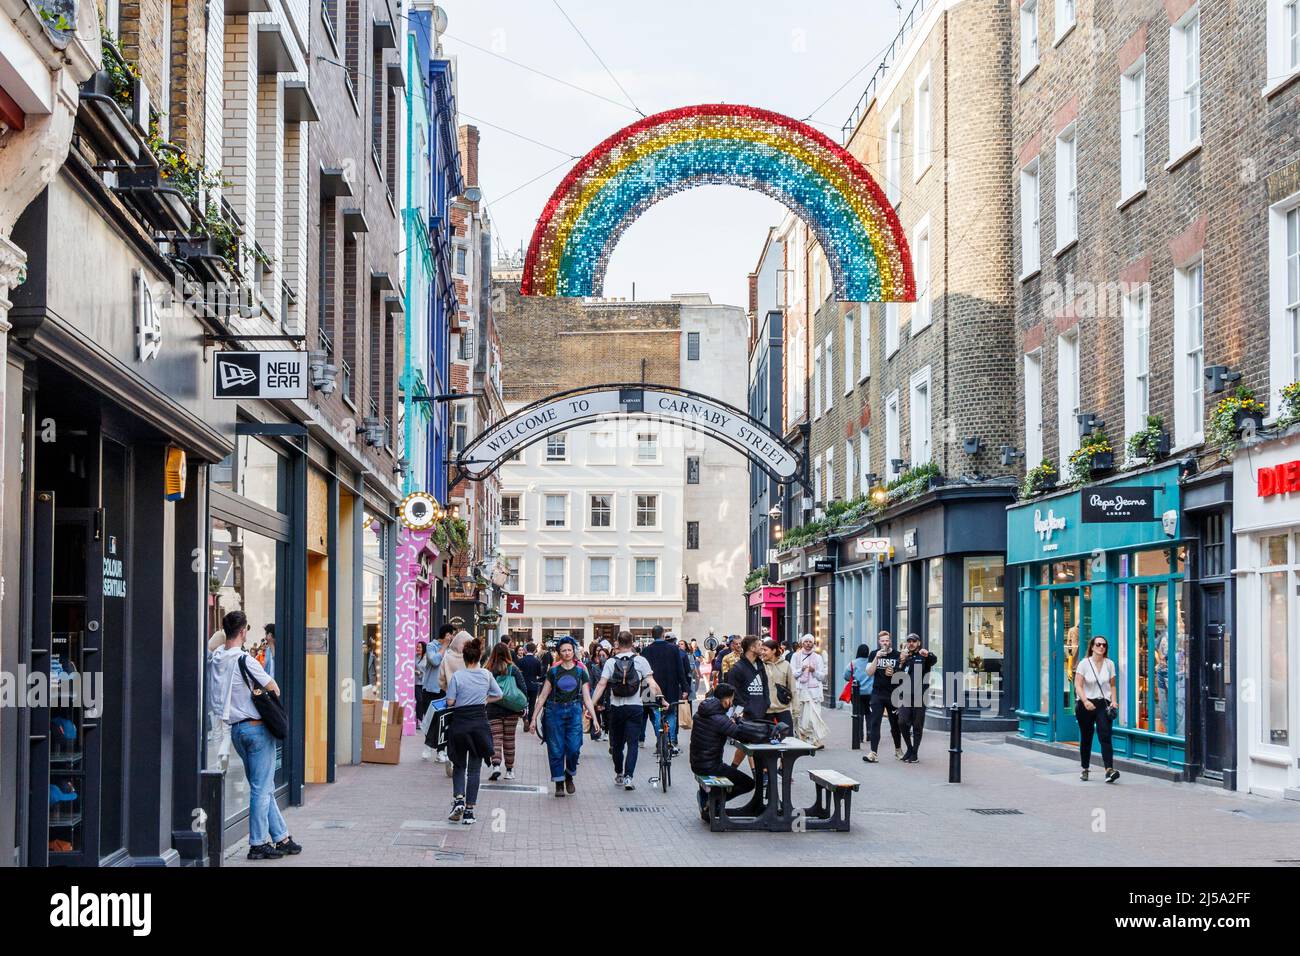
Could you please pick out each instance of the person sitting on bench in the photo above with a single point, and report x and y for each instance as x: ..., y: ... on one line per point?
x: 709, y: 737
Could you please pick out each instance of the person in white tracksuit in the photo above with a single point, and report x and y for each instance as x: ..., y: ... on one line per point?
x: 810, y: 676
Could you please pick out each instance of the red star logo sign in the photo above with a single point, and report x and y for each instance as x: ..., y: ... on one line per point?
x: 514, y: 604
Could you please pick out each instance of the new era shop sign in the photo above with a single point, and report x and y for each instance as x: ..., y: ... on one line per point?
x: 259, y: 375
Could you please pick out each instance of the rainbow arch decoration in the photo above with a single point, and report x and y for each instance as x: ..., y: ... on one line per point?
x: 720, y: 143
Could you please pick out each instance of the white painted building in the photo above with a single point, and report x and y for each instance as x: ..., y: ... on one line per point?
x: 624, y: 524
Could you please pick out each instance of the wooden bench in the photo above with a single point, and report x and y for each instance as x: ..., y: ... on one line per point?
x: 718, y: 789
x: 834, y: 800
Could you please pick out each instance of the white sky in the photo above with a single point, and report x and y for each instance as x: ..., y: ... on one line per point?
x: 783, y: 55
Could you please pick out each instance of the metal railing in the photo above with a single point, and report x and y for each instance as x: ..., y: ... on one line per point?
x: 900, y: 40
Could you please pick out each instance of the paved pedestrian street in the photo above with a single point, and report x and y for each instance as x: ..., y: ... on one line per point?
x: 377, y: 815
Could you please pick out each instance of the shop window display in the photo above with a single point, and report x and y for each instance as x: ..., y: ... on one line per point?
x: 934, y: 628
x: 983, y: 622
x: 373, y: 632
x: 1275, y: 727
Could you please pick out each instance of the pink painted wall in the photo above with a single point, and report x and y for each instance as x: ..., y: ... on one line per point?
x: 412, y: 615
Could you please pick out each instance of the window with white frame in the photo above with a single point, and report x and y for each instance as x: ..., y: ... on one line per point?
x: 817, y: 382
x: 1133, y: 129
x: 891, y: 329
x: 1033, y: 408
x: 1028, y: 37
x: 864, y: 343
x: 512, y: 512
x: 828, y: 369
x: 460, y: 427
x: 1065, y: 16
x: 1189, y: 355
x: 1067, y: 187
x: 849, y: 461
x: 816, y: 277
x: 557, y: 447
x: 848, y: 351
x: 601, y: 511
x: 921, y: 266
x: 894, y: 159
x: 598, y: 575
x: 818, y: 491
x: 512, y: 569
x: 1284, y: 297
x: 864, y: 461
x: 461, y: 253
x: 1283, y: 42
x: 921, y: 134
x: 1137, y: 362
x: 602, y: 448
x: 165, y: 91
x: 647, y: 448
x: 1185, y: 83
x: 830, y: 474
x: 553, y: 575
x: 647, y: 575
x: 647, y: 511
x: 557, y: 511
x: 893, y: 437
x: 919, y: 386
x: 1029, y: 216
x: 1067, y: 396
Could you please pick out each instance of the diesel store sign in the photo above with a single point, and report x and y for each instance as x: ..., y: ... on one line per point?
x: 259, y: 375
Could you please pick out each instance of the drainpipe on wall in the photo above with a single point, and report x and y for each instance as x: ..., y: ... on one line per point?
x: 408, y: 383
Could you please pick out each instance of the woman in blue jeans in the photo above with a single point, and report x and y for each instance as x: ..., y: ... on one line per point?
x: 565, y: 694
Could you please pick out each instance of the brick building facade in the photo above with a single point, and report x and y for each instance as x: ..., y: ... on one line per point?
x: 1155, y: 157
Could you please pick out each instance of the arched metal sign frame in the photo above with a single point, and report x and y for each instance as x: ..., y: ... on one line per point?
x: 593, y: 403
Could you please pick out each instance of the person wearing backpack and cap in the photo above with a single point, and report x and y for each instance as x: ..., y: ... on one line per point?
x: 566, y: 693
x: 623, y: 675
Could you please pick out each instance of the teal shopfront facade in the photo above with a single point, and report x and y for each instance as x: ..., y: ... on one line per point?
x: 1106, y: 560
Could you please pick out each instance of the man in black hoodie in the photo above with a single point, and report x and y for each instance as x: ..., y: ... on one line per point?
x: 915, y: 665
x: 748, y: 677
x: 709, y: 738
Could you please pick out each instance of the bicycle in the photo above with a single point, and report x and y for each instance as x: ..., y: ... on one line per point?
x: 664, y: 750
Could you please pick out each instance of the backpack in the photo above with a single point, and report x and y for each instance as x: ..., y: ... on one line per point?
x: 626, y: 679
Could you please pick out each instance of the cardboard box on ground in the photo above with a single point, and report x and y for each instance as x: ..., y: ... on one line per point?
x: 381, y: 731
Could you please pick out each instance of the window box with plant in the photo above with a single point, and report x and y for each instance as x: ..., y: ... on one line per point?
x: 1039, y: 479
x: 1094, y: 457
x: 756, y: 579
x: 116, y: 101
x: 914, y: 481
x: 1240, y: 411
x: 1151, y: 443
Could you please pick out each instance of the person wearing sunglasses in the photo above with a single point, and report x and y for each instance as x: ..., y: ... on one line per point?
x: 1094, y: 691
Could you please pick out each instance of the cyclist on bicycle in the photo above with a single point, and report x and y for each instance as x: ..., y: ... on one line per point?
x: 624, y: 674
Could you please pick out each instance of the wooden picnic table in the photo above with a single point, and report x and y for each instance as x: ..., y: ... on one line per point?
x: 775, y: 765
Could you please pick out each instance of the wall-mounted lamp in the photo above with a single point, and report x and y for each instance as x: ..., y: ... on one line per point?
x: 1009, y: 455
x: 324, y: 374
x: 1220, y: 376
x: 972, y: 445
x: 374, y: 432
x: 896, y: 466
x: 1089, y: 423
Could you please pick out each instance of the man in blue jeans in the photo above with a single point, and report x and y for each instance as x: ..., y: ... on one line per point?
x: 231, y: 701
x: 669, y: 666
x: 625, y: 674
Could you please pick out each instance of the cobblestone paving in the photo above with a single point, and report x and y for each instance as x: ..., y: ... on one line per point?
x: 396, y: 815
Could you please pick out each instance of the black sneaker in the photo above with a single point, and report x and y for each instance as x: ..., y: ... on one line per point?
x: 568, y: 784
x: 1112, y: 775
x: 457, y: 811
x: 288, y: 847
x: 467, y: 818
x: 559, y: 788
x: 265, y: 851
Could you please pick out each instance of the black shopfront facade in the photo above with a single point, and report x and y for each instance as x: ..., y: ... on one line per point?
x: 935, y: 566
x: 105, y: 400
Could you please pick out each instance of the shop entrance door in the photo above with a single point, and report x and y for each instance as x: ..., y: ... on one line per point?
x: 1214, y: 683
x: 1066, y: 636
x: 67, y: 617
x: 605, y: 632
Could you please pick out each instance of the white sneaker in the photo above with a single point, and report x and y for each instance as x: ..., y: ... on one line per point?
x: 510, y: 775
x: 441, y: 756
x: 628, y: 784
x: 618, y: 780
x: 427, y: 753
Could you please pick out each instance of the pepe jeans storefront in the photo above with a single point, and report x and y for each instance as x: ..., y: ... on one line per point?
x: 1106, y: 561
x: 1266, y: 510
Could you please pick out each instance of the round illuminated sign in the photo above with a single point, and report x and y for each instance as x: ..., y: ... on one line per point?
x: 419, y: 511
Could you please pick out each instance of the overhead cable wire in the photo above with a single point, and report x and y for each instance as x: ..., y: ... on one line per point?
x: 517, y: 135
x: 530, y: 69
x: 598, y: 57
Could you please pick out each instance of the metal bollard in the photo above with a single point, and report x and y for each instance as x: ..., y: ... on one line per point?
x: 954, y: 743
